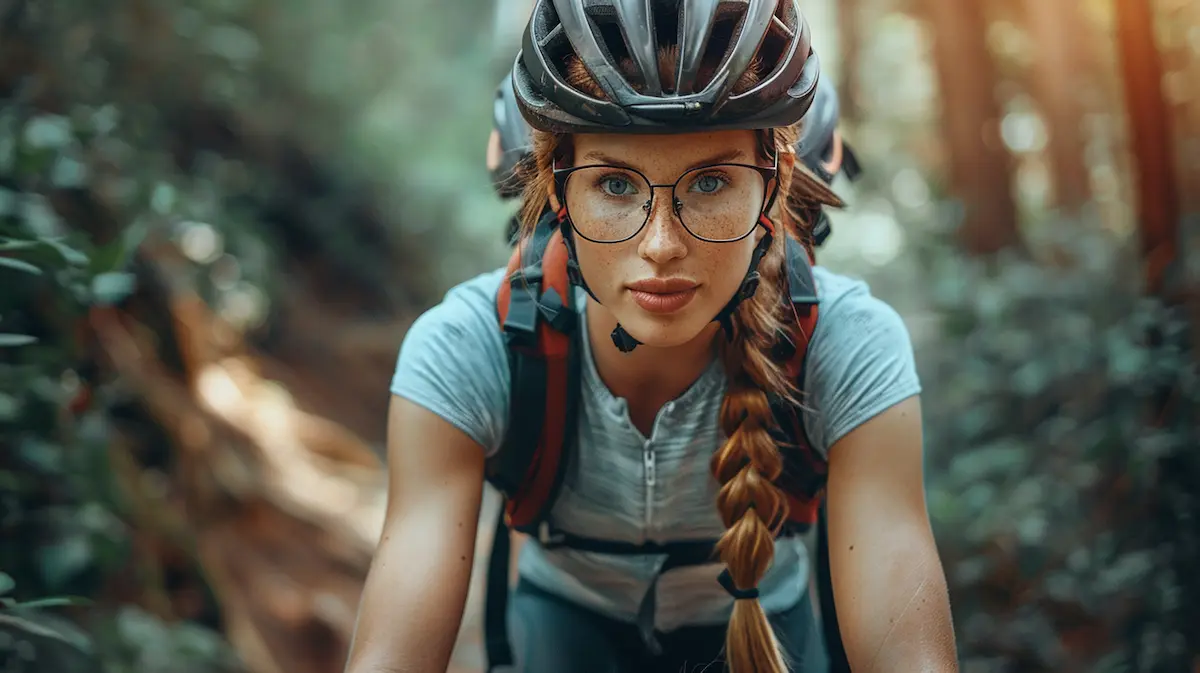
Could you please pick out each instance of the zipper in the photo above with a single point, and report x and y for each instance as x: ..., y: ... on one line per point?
x: 651, y: 477
x: 651, y: 467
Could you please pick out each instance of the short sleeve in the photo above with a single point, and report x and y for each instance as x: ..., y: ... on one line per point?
x: 453, y: 362
x: 860, y: 362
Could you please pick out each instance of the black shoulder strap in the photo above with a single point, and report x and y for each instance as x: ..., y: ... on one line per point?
x: 495, y: 602
x: 803, y: 473
x: 803, y: 291
x: 838, y: 663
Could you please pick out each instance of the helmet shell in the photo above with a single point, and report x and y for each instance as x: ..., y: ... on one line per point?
x: 618, y: 42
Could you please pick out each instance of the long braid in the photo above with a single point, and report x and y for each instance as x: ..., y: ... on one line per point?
x: 751, y: 506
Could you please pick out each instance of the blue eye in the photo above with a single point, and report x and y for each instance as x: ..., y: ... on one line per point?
x: 710, y: 183
x: 617, y: 185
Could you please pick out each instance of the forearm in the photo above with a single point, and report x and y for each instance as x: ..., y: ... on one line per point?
x: 896, y: 614
x: 412, y: 602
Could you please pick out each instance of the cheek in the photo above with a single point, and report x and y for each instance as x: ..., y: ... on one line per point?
x: 599, y: 263
x: 724, y: 266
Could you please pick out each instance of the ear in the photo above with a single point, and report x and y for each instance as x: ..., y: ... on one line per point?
x: 493, y: 150
x: 835, y: 159
x: 553, y: 198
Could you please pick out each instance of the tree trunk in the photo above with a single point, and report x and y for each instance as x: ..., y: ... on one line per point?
x: 979, y: 167
x: 1158, y: 212
x: 1058, y: 70
x: 850, y: 27
x: 1157, y: 200
x: 1181, y: 66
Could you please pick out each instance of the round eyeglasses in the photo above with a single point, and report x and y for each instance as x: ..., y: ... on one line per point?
x: 718, y: 203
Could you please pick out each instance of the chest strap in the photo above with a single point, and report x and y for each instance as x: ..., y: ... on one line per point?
x: 677, y: 555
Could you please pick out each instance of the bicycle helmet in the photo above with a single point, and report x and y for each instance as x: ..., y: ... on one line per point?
x: 726, y: 37
x: 820, y: 123
x: 514, y: 139
x: 824, y: 152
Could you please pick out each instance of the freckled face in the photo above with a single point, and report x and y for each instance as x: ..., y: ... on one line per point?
x: 663, y: 284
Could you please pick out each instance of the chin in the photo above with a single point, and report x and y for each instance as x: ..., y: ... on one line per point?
x: 658, y: 331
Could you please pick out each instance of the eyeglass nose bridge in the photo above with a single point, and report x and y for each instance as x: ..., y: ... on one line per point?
x: 676, y: 204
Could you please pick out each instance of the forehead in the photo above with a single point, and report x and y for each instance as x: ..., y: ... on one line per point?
x: 666, y: 153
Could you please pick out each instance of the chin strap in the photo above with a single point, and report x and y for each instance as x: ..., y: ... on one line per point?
x: 751, y: 281
x: 626, y: 342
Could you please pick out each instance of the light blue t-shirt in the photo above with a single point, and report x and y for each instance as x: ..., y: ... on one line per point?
x: 625, y: 487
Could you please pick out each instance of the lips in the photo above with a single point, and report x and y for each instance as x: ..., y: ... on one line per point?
x: 663, y: 295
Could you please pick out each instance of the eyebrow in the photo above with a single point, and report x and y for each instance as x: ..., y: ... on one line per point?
x: 724, y: 157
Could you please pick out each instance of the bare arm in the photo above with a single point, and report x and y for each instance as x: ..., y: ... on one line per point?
x: 892, y: 602
x: 412, y: 603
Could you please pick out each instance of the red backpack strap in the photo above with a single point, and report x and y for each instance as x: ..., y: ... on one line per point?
x: 537, y: 313
x: 804, y: 470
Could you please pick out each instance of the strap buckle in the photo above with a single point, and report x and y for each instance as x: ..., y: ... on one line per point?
x: 520, y: 326
x: 547, y: 537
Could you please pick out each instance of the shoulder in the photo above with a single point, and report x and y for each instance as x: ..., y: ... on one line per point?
x: 847, y: 306
x: 453, y: 360
x: 860, y: 360
x: 469, y: 305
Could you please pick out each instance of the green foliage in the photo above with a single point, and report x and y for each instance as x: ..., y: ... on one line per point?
x: 146, y: 644
x: 60, y: 506
x: 279, y: 148
x: 1049, y: 483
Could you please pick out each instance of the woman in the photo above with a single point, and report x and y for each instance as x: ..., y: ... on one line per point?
x: 664, y: 131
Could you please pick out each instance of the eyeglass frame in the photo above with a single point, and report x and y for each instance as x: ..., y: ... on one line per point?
x: 767, y: 173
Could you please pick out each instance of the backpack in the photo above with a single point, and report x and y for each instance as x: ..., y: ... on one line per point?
x: 537, y: 310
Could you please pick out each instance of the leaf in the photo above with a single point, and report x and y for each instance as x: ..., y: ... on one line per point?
x: 40, y: 218
x: 20, y: 265
x: 163, y: 198
x: 112, y: 287
x: 41, y: 454
x: 8, y: 198
x: 12, y: 340
x: 64, y: 559
x: 68, y: 172
x: 53, y: 602
x: 108, y: 257
x: 7, y: 583
x: 17, y: 244
x: 46, y: 253
x: 114, y: 255
x: 48, y: 132
x: 43, y: 625
x: 133, y: 235
x: 70, y: 255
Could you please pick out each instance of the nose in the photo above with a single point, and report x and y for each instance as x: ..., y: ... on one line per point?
x: 664, y: 238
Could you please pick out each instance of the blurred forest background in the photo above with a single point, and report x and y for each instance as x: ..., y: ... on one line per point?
x: 217, y: 218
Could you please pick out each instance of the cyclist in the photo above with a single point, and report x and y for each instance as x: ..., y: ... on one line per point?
x: 660, y: 382
x: 820, y: 146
